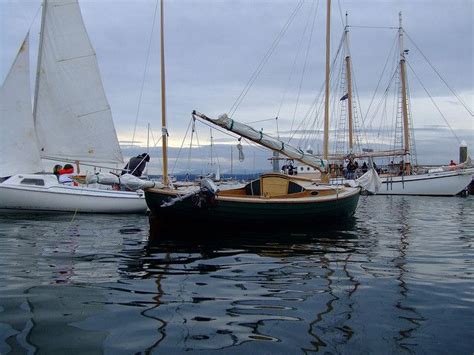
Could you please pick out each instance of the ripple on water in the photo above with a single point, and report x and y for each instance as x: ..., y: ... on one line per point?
x: 397, y: 279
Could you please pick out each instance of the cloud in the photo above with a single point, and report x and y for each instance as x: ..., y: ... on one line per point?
x: 213, y: 47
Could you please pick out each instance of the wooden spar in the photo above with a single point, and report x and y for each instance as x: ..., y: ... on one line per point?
x: 349, y: 86
x: 40, y: 54
x: 377, y: 154
x: 148, y: 139
x: 265, y: 140
x: 326, y: 101
x: 231, y: 161
x: 164, y: 130
x: 406, y: 134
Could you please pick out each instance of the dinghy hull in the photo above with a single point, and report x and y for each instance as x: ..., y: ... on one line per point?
x: 321, y: 204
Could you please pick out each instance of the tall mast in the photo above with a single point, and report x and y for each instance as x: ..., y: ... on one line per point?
x: 231, y: 161
x: 164, y: 130
x: 326, y: 101
x: 212, y: 148
x: 349, y: 83
x: 406, y: 134
x: 40, y: 54
x: 148, y: 138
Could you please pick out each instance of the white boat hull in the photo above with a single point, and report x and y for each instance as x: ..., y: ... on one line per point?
x: 16, y: 196
x: 446, y: 183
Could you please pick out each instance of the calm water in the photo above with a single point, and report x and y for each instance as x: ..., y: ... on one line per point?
x: 397, y: 279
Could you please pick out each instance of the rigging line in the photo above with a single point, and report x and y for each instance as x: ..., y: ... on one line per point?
x: 233, y: 135
x: 380, y: 27
x: 180, y: 148
x: 432, y: 100
x: 188, y: 166
x: 34, y: 18
x: 384, y: 98
x: 331, y: 78
x: 305, y: 63
x: 340, y: 13
x: 155, y: 142
x: 144, y: 72
x: 439, y: 75
x: 256, y: 146
x: 381, y: 77
x: 259, y: 121
x: 294, y: 64
x: 362, y: 131
x: 265, y: 58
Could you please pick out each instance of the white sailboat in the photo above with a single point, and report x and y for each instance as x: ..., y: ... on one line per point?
x: 71, y: 122
x: 409, y: 180
x: 447, y: 181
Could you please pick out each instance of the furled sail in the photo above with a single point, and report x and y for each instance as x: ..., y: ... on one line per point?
x: 265, y: 140
x: 72, y: 115
x: 18, y: 144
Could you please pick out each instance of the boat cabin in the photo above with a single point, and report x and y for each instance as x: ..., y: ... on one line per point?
x: 272, y: 186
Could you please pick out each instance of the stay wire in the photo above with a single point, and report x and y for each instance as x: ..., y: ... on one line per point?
x: 293, y: 66
x: 433, y: 101
x: 439, y: 75
x: 304, y: 64
x: 180, y: 148
x: 264, y: 60
x: 380, y: 79
x: 144, y: 72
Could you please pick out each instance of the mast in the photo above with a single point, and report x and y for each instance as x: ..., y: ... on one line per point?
x: 148, y: 139
x: 326, y: 101
x: 406, y: 134
x: 231, y: 161
x: 164, y: 130
x: 212, y: 160
x: 40, y: 54
x: 349, y: 84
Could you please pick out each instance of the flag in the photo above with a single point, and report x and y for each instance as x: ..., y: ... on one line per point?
x: 344, y: 97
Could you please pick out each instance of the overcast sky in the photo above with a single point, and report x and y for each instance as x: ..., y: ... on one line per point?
x: 213, y: 47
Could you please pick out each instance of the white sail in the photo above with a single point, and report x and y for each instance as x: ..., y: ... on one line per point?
x: 18, y: 143
x: 72, y: 115
x: 267, y: 141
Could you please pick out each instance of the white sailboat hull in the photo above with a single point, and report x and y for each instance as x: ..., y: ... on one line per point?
x: 446, y: 183
x: 16, y: 196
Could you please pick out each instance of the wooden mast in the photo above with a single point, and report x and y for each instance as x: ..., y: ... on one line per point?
x: 349, y: 85
x: 326, y: 101
x: 406, y: 134
x: 164, y: 130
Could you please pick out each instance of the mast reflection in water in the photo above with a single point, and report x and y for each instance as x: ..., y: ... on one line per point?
x: 396, y: 279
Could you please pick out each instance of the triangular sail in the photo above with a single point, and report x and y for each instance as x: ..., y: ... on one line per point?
x: 18, y: 144
x: 267, y: 141
x: 72, y: 115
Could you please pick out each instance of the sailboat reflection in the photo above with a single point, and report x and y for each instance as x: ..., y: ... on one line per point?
x: 227, y: 288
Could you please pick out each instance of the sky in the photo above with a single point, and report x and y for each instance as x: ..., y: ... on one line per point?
x: 214, y: 46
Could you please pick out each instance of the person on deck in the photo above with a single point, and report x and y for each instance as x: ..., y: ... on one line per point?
x: 351, y: 169
x: 136, y: 165
x: 364, y: 168
x: 452, y: 163
x: 65, y: 175
x: 56, y: 170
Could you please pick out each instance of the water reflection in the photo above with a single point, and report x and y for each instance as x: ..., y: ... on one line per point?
x: 303, y: 262
x: 405, y: 339
x: 390, y: 281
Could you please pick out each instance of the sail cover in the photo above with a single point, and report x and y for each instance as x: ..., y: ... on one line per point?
x: 267, y: 141
x: 18, y: 144
x: 72, y: 115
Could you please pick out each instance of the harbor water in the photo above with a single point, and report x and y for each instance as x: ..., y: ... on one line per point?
x: 396, y: 279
